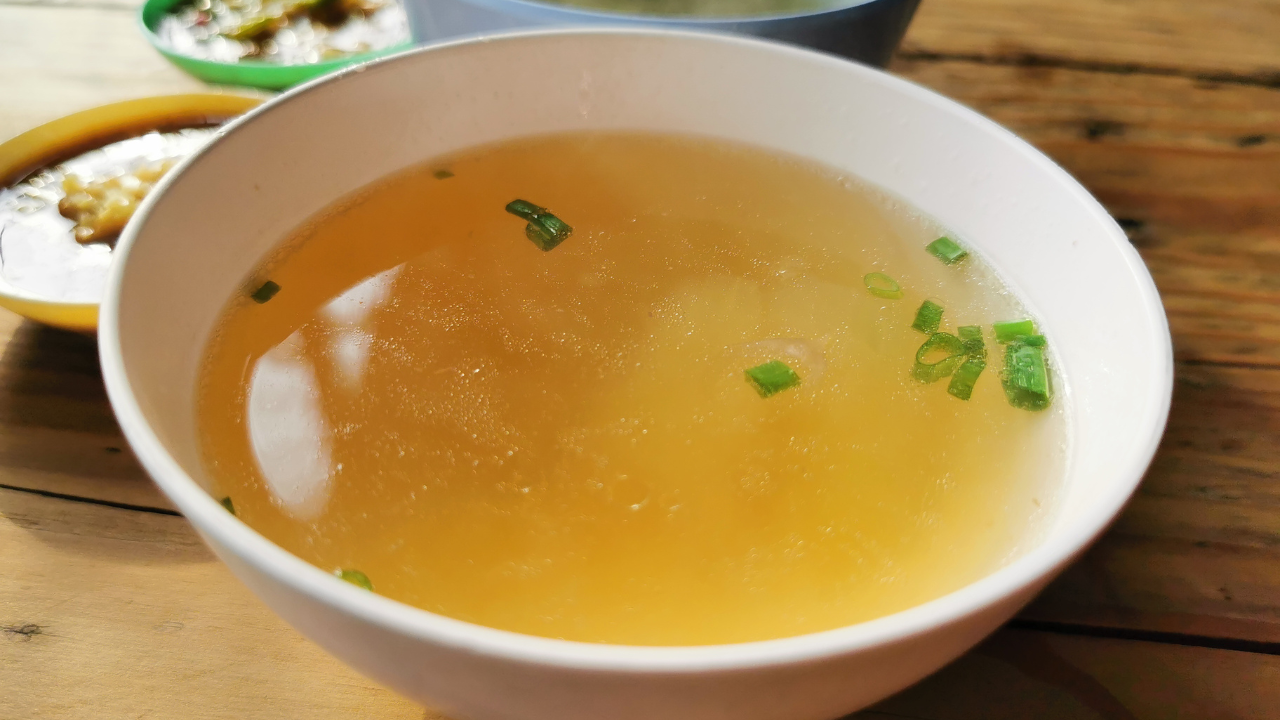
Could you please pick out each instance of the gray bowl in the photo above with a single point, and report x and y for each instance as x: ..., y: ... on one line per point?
x: 864, y: 30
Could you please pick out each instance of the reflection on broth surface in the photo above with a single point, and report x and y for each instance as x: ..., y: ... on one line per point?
x: 289, y: 434
x: 564, y: 443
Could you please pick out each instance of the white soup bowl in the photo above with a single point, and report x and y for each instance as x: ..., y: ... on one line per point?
x: 196, y: 240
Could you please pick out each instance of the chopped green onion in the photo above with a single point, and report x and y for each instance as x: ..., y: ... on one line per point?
x: 525, y: 209
x: 355, y: 577
x: 545, y: 240
x: 965, y: 376
x: 882, y: 285
x: 972, y: 337
x: 544, y: 229
x: 772, y: 377
x: 948, y: 348
x: 947, y: 250
x: 1026, y: 376
x: 230, y: 506
x: 442, y: 174
x: 1036, y: 340
x: 266, y: 292
x: 928, y: 317
x: 547, y: 231
x: 1013, y: 329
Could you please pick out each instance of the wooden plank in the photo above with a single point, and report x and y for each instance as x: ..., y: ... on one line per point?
x: 58, y: 60
x: 1192, y: 168
x: 1198, y: 549
x: 57, y: 431
x: 115, y: 613
x: 110, y: 613
x: 1193, y: 38
x: 1017, y: 675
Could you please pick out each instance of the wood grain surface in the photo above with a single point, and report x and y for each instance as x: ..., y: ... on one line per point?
x: 1167, y: 110
x: 125, y: 614
x: 1228, y: 39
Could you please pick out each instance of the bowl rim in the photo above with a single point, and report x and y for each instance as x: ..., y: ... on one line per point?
x: 1027, y: 572
x: 95, y: 127
x: 570, y: 13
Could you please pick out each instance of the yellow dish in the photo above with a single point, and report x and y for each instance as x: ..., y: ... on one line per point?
x: 67, y: 137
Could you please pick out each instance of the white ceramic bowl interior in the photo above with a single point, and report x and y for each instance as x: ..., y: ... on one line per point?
x: 1038, y: 227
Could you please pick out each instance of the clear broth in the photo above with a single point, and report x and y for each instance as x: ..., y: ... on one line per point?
x: 564, y: 444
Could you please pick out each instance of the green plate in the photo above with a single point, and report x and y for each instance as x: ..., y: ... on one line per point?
x: 248, y: 73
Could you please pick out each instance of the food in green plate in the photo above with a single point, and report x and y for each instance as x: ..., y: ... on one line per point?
x: 290, y: 32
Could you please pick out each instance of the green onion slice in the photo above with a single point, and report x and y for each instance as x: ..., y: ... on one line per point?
x: 1026, y: 376
x: 1013, y: 329
x: 965, y: 376
x: 230, y: 506
x: 442, y: 174
x: 972, y: 337
x: 547, y: 231
x: 928, y: 317
x: 525, y: 209
x: 355, y: 577
x: 772, y: 377
x: 266, y: 292
x: 882, y: 285
x: 947, y: 250
x: 544, y: 229
x: 938, y: 357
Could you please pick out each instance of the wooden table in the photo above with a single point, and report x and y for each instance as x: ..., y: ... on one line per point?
x: 1168, y: 110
